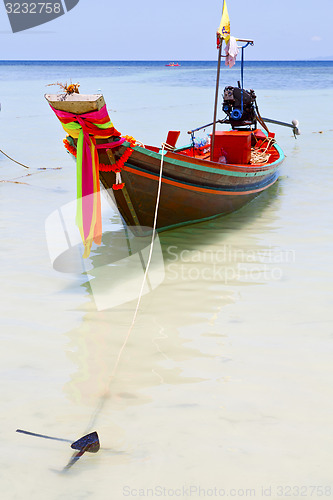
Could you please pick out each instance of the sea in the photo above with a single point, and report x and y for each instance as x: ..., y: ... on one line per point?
x: 215, y: 380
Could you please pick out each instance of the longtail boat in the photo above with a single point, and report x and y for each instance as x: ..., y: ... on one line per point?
x: 198, y: 181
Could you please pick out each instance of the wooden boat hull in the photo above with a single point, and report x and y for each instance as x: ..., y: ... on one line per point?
x: 192, y: 189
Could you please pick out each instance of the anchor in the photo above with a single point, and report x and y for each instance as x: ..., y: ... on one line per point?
x: 88, y: 443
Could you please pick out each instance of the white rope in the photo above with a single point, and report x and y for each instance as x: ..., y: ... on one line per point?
x: 167, y: 146
x: 103, y: 398
x: 147, y: 266
x: 139, y: 143
x: 260, y: 155
x: 12, y: 159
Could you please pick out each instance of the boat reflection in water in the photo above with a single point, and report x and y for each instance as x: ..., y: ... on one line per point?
x: 202, y: 268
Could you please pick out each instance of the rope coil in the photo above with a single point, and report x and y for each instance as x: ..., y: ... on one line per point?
x: 260, y: 155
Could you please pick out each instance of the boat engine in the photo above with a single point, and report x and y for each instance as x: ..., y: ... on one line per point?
x: 239, y: 105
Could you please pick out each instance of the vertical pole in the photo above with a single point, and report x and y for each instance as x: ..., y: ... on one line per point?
x: 216, y: 100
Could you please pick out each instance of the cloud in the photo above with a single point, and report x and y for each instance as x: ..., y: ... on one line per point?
x: 316, y: 38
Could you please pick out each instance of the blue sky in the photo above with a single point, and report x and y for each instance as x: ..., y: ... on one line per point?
x: 174, y: 30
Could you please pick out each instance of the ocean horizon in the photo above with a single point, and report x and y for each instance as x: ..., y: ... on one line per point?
x: 258, y: 74
x: 54, y: 61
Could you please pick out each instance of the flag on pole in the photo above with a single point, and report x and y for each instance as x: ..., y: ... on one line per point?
x: 224, y: 28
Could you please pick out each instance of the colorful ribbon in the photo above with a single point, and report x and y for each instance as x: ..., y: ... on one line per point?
x: 86, y: 128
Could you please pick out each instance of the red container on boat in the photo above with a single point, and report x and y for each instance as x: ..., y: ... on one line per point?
x: 236, y: 146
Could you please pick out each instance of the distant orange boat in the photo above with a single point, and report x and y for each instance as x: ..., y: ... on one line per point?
x: 173, y: 64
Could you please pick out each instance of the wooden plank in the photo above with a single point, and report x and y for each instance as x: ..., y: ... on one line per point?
x: 76, y: 103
